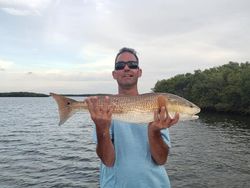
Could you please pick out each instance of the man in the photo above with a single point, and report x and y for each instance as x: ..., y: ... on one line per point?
x: 132, y: 156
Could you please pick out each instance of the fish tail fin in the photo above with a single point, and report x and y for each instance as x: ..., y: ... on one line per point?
x: 64, y: 107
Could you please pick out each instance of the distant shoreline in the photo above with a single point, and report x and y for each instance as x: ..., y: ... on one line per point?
x: 22, y: 94
x: 31, y: 94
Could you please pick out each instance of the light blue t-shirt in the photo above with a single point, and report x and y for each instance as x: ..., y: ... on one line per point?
x: 134, y: 167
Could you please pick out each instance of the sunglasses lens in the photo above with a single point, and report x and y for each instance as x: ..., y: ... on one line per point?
x: 132, y: 64
x: 121, y: 65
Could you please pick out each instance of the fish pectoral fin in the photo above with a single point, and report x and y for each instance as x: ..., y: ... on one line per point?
x: 162, y: 102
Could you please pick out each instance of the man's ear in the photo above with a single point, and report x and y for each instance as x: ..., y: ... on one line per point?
x: 114, y: 75
x: 140, y: 73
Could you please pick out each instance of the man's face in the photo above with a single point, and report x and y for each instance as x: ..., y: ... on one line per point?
x: 126, y: 77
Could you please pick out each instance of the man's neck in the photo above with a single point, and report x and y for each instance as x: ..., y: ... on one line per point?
x: 129, y: 91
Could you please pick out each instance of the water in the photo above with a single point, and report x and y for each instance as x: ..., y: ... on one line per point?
x: 213, y: 151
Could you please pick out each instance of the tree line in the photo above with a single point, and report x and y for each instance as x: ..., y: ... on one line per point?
x: 225, y: 88
x: 22, y: 94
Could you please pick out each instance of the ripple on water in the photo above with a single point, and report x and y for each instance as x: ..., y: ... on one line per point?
x: 35, y: 152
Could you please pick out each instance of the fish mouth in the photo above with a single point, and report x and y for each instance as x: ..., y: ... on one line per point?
x: 195, y: 117
x: 197, y: 110
x: 185, y: 117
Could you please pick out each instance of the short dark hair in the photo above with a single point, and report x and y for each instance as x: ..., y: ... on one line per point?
x: 130, y: 50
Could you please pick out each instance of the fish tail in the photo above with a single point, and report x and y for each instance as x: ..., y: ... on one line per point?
x: 64, y: 107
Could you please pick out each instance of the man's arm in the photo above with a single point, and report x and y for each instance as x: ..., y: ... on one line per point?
x: 105, y: 148
x: 102, y: 119
x: 158, y: 148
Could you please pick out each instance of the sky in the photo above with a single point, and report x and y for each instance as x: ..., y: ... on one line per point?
x: 65, y: 46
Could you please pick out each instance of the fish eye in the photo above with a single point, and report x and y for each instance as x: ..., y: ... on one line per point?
x: 68, y: 103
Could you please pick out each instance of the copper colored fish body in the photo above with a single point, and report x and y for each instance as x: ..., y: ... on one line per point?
x: 135, y: 109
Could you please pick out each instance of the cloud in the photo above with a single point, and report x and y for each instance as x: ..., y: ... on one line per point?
x: 58, y: 81
x: 23, y: 7
x: 59, y: 75
x: 69, y: 76
x: 76, y: 41
x: 96, y: 58
x: 5, y: 64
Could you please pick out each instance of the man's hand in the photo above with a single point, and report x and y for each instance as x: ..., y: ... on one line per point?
x: 158, y: 148
x: 101, y: 115
x: 162, y: 120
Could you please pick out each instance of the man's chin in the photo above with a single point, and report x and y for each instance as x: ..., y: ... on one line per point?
x: 127, y: 84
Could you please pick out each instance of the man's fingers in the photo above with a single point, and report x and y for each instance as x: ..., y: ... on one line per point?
x: 110, y: 110
x: 168, y: 121
x: 106, y: 103
x: 94, y: 101
x: 90, y: 104
x: 175, y: 119
x: 96, y: 108
x: 163, y: 120
x: 163, y: 114
x: 156, y: 117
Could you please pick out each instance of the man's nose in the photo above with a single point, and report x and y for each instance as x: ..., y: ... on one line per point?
x: 126, y: 67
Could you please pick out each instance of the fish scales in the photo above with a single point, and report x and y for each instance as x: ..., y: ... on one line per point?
x: 136, y: 103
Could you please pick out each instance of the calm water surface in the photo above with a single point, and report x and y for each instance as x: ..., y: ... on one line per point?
x: 213, y: 151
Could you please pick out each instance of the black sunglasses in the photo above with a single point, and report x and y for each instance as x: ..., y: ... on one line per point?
x: 121, y: 65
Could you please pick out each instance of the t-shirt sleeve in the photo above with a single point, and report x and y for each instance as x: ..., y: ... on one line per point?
x: 110, y: 132
x: 166, y: 137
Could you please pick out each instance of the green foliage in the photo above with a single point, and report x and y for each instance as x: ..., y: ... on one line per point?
x: 22, y: 94
x: 225, y: 88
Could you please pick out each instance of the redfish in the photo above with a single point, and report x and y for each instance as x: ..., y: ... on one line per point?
x: 135, y: 109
